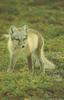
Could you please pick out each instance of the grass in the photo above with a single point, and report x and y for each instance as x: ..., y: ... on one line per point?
x: 46, y: 16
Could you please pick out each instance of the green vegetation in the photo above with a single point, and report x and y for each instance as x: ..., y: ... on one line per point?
x: 46, y: 16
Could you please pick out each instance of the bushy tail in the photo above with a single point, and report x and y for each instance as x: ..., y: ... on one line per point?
x: 47, y: 64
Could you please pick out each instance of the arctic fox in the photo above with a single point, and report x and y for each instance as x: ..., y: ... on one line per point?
x: 30, y: 41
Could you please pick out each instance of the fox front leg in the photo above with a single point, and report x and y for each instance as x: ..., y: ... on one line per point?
x: 12, y: 63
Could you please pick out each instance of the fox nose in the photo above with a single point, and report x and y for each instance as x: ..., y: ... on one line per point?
x: 23, y: 46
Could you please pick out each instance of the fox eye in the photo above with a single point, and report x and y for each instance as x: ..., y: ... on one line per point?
x: 24, y: 39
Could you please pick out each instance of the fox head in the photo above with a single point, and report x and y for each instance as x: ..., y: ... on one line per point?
x: 18, y: 35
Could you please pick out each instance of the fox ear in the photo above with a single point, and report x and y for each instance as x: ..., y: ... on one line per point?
x: 25, y: 28
x: 12, y: 29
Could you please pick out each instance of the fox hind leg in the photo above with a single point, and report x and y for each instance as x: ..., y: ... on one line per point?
x: 29, y: 58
